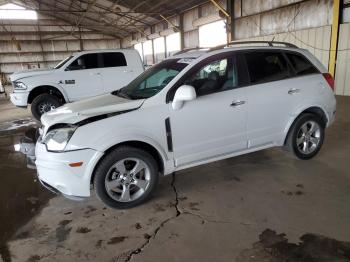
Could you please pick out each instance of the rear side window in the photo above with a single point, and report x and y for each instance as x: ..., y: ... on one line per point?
x: 266, y: 66
x: 301, y: 65
x: 113, y: 59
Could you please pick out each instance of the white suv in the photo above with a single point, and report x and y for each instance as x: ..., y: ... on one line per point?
x: 82, y: 75
x: 191, y: 109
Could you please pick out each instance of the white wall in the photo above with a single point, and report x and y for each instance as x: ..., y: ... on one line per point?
x: 342, y: 75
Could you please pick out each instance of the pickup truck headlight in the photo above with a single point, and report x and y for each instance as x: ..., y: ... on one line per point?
x: 57, y: 139
x: 19, y: 86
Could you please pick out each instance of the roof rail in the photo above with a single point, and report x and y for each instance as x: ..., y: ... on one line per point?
x: 270, y: 43
x: 188, y: 50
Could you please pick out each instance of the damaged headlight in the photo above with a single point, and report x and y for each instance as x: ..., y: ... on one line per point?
x: 57, y: 139
x: 19, y: 86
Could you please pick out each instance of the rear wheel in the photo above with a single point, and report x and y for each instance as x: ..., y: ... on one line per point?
x: 126, y: 177
x: 306, y: 136
x: 44, y: 103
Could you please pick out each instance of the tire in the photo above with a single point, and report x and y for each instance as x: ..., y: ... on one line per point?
x: 306, y: 136
x: 116, y: 174
x: 44, y: 103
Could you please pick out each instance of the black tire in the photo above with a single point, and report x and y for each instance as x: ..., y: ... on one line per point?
x: 295, y: 133
x: 102, y: 172
x: 44, y: 101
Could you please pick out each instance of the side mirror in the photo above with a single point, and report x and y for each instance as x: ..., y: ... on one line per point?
x: 183, y: 93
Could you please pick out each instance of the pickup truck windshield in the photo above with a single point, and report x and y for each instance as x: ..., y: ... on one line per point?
x: 60, y: 64
x: 153, y: 80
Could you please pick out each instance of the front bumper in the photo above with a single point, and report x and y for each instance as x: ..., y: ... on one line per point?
x: 54, y: 170
x: 19, y: 99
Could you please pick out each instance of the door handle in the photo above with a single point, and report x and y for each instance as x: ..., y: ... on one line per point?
x: 293, y: 91
x: 96, y: 74
x: 237, y: 103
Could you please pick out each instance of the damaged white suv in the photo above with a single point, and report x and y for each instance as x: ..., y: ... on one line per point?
x: 191, y: 109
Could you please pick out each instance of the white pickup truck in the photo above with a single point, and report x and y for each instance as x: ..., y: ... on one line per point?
x: 82, y: 75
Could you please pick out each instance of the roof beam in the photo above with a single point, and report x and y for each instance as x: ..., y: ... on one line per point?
x: 91, y: 27
x: 121, y: 14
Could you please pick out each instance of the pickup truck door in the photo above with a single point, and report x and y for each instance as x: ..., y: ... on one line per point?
x: 82, y: 78
x: 119, y: 69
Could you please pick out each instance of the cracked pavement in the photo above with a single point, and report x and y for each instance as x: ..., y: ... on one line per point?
x: 215, y: 212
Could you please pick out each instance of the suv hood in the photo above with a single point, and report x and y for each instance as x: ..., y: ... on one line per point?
x: 29, y: 73
x: 81, y: 110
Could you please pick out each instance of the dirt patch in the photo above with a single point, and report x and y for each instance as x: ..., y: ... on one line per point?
x: 22, y: 235
x: 64, y: 222
x: 83, y: 230
x: 99, y: 243
x: 273, y: 247
x: 159, y: 208
x: 293, y: 193
x: 62, y: 232
x: 138, y: 226
x: 34, y: 258
x: 236, y: 179
x: 116, y: 240
x: 193, y: 206
x: 90, y: 209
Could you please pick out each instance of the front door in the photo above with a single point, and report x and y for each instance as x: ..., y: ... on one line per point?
x: 214, y: 124
x: 82, y: 78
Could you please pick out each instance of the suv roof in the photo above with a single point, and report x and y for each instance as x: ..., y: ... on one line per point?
x: 241, y: 45
x: 248, y: 45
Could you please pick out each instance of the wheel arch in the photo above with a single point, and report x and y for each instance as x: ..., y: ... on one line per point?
x: 46, y: 89
x: 315, y: 110
x: 151, y: 149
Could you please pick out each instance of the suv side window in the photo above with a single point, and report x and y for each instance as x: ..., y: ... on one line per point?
x: 87, y: 61
x: 217, y: 76
x: 113, y: 59
x: 266, y: 66
x: 301, y: 65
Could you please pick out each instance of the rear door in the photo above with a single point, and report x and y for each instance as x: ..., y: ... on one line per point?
x: 272, y: 96
x: 82, y: 78
x: 119, y: 69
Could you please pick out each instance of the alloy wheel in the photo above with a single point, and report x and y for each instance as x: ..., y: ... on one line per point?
x: 128, y: 179
x: 308, y: 137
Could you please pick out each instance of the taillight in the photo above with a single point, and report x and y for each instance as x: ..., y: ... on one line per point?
x: 330, y: 80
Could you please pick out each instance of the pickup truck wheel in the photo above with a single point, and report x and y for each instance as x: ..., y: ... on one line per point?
x: 126, y: 177
x: 306, y: 136
x: 44, y: 103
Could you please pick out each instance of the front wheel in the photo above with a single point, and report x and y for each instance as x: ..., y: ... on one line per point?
x: 44, y: 103
x: 126, y: 177
x: 306, y: 136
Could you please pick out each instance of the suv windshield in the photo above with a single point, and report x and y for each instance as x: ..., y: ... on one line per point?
x: 60, y: 64
x: 153, y: 80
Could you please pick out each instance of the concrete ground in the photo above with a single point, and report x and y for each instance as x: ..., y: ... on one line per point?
x: 265, y: 206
